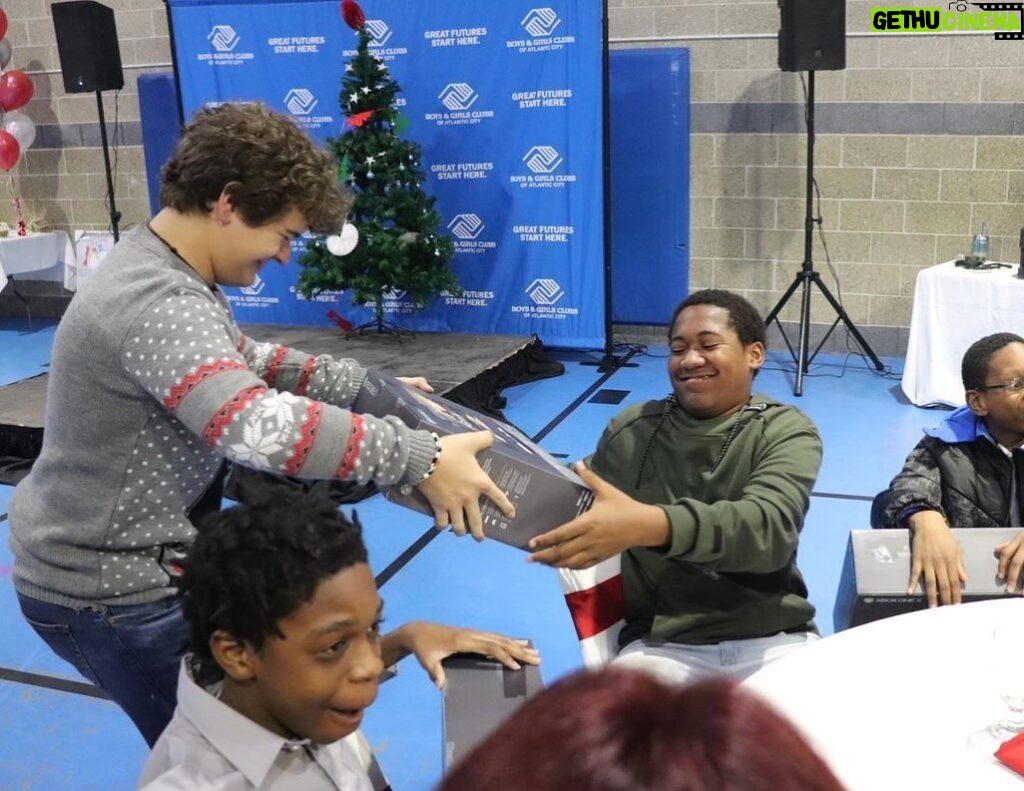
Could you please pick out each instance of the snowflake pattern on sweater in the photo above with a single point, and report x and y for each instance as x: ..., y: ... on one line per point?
x: 152, y: 386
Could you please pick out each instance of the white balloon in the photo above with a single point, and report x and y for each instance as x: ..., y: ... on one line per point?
x: 5, y: 53
x: 344, y: 243
x: 21, y: 128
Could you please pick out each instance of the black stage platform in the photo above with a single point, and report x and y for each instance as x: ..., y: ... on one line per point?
x: 469, y: 369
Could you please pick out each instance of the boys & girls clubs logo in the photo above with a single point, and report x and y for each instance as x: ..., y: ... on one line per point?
x: 1003, y: 19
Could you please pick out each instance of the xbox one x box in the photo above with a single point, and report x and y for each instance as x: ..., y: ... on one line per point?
x: 876, y: 570
x: 545, y: 492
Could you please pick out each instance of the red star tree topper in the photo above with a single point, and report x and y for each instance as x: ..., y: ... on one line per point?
x: 402, y: 246
x: 353, y: 14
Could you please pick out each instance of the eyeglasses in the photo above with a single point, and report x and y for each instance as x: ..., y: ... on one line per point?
x: 1013, y: 386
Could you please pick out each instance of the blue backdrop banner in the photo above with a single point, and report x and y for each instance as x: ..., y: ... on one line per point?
x: 504, y: 98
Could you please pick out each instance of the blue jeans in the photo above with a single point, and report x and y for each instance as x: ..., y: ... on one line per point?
x: 131, y: 652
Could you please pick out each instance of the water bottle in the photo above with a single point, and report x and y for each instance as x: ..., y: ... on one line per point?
x: 979, y: 247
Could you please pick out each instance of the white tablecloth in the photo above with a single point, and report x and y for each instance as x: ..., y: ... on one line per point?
x: 34, y: 253
x: 891, y: 704
x: 953, y: 307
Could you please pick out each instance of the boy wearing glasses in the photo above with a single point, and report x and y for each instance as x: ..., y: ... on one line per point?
x: 967, y: 472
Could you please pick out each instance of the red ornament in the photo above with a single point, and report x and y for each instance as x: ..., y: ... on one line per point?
x: 9, y: 150
x: 359, y: 119
x: 353, y: 14
x: 15, y: 89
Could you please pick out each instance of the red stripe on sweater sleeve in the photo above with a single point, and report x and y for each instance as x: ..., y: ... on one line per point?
x: 314, y: 415
x: 355, y: 438
x: 274, y: 366
x: 181, y: 390
x: 222, y: 417
x: 302, y: 386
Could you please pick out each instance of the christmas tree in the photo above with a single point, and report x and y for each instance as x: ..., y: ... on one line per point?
x: 398, y: 245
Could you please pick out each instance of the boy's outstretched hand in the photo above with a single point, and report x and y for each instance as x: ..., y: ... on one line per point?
x: 433, y: 642
x: 455, y: 488
x: 419, y: 382
x: 613, y: 524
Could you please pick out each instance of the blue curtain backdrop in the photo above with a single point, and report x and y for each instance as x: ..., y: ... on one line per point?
x: 505, y: 99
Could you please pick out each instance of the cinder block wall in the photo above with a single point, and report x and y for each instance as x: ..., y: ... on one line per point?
x: 918, y: 143
x: 61, y: 178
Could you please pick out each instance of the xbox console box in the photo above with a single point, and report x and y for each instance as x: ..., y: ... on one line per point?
x: 545, y: 492
x: 480, y: 693
x: 876, y: 571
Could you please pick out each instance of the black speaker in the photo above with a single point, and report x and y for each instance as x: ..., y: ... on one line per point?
x: 812, y: 35
x: 90, y: 59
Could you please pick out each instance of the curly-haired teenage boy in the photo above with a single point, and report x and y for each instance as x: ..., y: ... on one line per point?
x: 153, y: 386
x: 287, y: 652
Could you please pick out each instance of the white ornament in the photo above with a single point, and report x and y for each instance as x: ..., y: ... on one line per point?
x: 345, y: 242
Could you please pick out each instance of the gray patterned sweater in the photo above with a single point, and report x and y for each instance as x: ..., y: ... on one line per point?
x: 152, y: 385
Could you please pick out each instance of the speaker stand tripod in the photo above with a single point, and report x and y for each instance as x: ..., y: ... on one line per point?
x: 807, y: 276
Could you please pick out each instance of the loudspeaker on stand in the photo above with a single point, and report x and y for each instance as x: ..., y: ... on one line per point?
x: 90, y: 58
x: 812, y: 35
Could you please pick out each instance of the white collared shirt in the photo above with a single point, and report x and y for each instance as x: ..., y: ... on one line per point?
x: 208, y: 746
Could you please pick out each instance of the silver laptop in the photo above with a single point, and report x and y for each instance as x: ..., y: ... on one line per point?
x: 876, y: 570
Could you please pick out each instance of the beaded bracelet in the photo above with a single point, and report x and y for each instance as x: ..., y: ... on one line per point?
x: 406, y: 488
x: 437, y: 456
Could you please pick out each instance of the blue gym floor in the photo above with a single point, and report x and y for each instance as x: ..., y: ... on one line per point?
x: 55, y: 740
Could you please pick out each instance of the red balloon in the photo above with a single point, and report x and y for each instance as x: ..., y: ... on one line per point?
x: 3, y: 23
x: 15, y: 89
x: 9, y: 150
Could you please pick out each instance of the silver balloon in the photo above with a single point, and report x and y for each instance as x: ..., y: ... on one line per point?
x: 20, y: 127
x: 5, y: 53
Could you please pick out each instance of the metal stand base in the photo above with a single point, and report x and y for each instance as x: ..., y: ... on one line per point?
x: 807, y: 276
x: 609, y: 363
x: 21, y: 297
x: 381, y: 327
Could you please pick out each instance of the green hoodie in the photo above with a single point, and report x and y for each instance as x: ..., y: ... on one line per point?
x: 736, y: 490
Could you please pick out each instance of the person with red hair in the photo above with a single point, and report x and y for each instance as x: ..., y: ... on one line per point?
x: 623, y: 730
